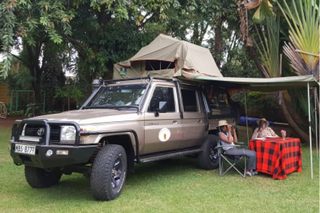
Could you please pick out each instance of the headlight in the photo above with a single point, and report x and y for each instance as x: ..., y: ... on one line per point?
x: 68, y: 134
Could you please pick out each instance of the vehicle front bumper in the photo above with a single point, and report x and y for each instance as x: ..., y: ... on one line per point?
x: 76, y: 155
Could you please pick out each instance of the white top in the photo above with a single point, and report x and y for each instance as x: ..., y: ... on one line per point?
x: 225, y: 145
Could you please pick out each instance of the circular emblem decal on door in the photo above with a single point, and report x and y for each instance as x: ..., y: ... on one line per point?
x: 164, y: 134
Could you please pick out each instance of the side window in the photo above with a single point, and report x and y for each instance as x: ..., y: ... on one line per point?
x: 189, y: 99
x: 162, y: 100
x: 218, y: 102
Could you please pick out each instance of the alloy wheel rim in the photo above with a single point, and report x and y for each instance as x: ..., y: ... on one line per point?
x: 116, y: 175
x: 212, y: 154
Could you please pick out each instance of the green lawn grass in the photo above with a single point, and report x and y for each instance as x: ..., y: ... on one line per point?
x: 167, y: 186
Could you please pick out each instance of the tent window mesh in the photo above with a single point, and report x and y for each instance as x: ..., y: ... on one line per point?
x: 158, y: 65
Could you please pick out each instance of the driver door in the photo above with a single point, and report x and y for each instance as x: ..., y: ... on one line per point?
x: 162, y: 120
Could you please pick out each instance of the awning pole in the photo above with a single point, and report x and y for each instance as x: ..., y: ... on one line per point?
x: 318, y: 107
x: 316, y: 120
x: 246, y: 112
x: 310, y: 132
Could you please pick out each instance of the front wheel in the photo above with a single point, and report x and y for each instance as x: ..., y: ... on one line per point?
x: 40, y: 178
x: 208, y: 158
x: 108, y: 172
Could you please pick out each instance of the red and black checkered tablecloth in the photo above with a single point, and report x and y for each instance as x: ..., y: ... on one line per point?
x: 277, y: 157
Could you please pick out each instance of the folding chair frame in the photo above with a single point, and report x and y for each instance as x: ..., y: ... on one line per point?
x: 232, y: 164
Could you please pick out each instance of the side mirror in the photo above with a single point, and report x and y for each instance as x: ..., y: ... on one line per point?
x: 156, y: 113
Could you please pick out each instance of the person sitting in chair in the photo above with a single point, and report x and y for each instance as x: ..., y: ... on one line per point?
x: 228, y: 138
x: 263, y: 130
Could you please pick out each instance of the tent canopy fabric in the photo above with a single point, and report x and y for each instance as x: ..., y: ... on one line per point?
x: 187, y: 57
x: 259, y: 84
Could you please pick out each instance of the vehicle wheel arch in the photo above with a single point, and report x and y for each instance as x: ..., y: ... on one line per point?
x: 129, y: 142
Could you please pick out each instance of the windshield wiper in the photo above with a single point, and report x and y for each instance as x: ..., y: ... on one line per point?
x: 127, y: 107
x: 106, y: 106
x: 110, y: 106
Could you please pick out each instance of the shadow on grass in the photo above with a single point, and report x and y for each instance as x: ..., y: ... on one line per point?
x: 76, y: 187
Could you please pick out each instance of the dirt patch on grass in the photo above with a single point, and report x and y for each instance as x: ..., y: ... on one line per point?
x: 8, y: 122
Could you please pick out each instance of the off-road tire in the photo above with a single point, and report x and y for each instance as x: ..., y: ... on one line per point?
x: 40, y: 178
x: 208, y: 158
x: 103, y: 181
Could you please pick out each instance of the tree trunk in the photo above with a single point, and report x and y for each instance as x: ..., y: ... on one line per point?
x: 254, y: 56
x: 285, y: 109
x: 36, y: 85
x: 218, y: 43
x: 34, y: 68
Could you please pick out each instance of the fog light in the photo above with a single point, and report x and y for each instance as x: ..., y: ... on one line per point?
x: 62, y: 152
x: 49, y: 152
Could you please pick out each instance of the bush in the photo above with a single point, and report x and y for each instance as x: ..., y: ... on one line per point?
x: 260, y: 105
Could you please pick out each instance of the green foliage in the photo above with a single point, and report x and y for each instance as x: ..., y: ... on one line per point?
x: 7, y: 24
x: 299, y: 101
x: 19, y: 79
x: 32, y: 21
x: 239, y: 64
x: 260, y: 104
x: 264, y: 11
x: 98, y: 33
x: 19, y: 113
x: 33, y: 109
x: 72, y: 91
x: 302, y: 16
x: 268, y: 46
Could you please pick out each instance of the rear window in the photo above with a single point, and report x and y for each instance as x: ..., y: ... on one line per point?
x: 218, y: 102
x: 189, y: 99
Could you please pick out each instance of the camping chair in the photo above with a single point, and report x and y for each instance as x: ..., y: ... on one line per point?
x: 232, y: 161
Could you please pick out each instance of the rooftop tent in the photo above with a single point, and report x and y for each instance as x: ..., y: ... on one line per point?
x: 168, y: 57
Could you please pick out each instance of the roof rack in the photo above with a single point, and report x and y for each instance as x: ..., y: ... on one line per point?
x: 139, y: 78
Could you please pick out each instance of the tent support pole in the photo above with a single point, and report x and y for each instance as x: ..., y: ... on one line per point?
x: 246, y: 111
x: 310, y: 132
x: 316, y: 120
x: 318, y: 107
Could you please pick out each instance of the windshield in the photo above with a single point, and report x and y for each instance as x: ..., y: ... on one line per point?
x: 118, y: 96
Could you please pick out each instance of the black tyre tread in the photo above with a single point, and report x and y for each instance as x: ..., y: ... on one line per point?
x: 101, y: 172
x: 40, y: 178
x: 203, y: 159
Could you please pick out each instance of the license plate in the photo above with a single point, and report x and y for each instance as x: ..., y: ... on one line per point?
x: 25, y: 149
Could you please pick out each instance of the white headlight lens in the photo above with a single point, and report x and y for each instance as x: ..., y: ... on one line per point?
x: 68, y: 134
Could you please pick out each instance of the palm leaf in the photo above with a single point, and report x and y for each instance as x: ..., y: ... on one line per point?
x: 302, y: 17
x: 263, y: 11
x: 296, y: 62
x: 268, y: 46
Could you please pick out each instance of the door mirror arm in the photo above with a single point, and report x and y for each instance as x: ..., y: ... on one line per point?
x: 156, y: 113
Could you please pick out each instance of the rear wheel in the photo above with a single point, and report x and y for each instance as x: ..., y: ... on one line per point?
x: 208, y: 158
x: 40, y: 178
x: 109, y: 172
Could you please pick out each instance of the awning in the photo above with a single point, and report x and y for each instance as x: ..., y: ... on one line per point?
x: 267, y: 84
x: 260, y: 84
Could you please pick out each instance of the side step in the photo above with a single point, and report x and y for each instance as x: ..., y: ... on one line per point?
x: 163, y: 156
